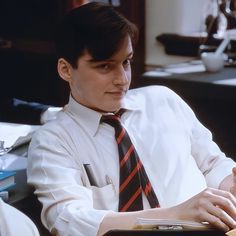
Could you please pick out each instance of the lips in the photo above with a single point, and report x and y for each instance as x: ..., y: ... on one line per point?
x: 117, y: 93
x: 121, y: 92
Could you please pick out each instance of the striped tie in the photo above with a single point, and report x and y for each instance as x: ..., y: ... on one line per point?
x: 133, y: 177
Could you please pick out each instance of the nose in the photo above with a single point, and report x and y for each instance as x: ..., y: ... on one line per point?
x: 122, y: 76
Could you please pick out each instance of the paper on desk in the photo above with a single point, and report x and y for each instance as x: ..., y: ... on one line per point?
x: 143, y: 223
x: 180, y: 68
x: 157, y: 73
x: 188, y: 68
x: 16, y: 134
x: 230, y: 82
x: 13, y: 162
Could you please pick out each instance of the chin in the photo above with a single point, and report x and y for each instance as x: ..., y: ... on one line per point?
x: 113, y: 108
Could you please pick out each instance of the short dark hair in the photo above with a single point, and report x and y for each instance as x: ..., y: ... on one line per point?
x: 95, y: 27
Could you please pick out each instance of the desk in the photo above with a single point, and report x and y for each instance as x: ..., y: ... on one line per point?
x: 214, y: 104
x: 198, y: 85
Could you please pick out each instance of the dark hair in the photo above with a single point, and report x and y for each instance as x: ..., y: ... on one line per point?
x: 96, y: 27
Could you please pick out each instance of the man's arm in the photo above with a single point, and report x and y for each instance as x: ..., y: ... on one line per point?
x: 215, y: 206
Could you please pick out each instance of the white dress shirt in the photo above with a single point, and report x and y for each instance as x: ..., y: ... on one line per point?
x: 176, y: 150
x: 13, y: 222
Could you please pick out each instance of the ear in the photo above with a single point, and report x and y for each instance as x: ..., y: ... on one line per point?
x: 64, y: 69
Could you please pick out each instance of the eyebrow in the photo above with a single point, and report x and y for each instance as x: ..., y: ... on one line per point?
x: 92, y: 60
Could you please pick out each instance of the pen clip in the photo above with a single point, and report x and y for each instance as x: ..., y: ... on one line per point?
x: 108, y: 180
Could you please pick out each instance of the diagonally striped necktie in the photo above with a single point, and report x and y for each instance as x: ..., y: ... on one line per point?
x: 133, y: 177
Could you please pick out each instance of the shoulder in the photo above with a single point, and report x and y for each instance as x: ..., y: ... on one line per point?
x: 54, y: 130
x: 154, y: 93
x: 158, y: 98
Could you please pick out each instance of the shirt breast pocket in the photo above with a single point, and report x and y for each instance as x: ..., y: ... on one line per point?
x: 105, y: 198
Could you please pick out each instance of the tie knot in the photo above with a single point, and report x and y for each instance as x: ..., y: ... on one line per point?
x: 113, y: 120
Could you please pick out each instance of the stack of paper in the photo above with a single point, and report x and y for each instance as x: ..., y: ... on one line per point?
x: 14, y: 135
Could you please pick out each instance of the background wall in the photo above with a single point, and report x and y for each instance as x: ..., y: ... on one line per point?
x: 172, y: 16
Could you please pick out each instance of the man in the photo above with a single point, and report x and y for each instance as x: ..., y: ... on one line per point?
x: 74, y: 160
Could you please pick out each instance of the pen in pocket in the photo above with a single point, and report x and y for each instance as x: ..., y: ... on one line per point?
x: 109, y: 181
x: 90, y: 175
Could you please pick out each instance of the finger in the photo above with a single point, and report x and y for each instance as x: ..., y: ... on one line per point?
x: 215, y: 221
x: 234, y: 175
x: 224, y: 198
x: 223, y: 218
x: 227, y: 206
x: 233, y: 190
x: 218, y: 199
x: 234, y: 170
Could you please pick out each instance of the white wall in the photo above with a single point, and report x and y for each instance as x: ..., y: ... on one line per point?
x: 171, y: 16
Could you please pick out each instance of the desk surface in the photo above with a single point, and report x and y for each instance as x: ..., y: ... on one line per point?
x: 198, y: 85
x: 203, y: 76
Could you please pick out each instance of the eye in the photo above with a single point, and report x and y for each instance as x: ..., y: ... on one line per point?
x: 106, y: 67
x: 127, y: 62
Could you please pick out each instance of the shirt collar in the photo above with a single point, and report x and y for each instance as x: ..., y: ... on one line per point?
x: 89, y: 118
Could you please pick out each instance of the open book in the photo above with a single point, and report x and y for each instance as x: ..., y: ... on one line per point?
x: 13, y: 135
x: 170, y: 224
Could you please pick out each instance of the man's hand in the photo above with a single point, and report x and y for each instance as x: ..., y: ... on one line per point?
x: 233, y: 188
x: 215, y: 206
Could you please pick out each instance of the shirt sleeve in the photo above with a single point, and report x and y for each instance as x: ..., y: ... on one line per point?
x: 13, y: 222
x: 67, y: 204
x: 212, y: 162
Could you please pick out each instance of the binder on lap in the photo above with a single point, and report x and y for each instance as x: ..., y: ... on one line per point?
x: 158, y: 232
x: 166, y: 227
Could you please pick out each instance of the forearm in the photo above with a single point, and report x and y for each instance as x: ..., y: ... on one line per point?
x: 211, y: 205
x: 127, y: 220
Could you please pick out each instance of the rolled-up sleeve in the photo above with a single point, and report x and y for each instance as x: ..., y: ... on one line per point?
x: 210, y: 159
x: 212, y: 162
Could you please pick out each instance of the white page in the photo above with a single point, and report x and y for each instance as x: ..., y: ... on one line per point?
x: 186, y: 69
x: 230, y: 82
x: 150, y: 223
x: 13, y: 162
x: 11, y: 132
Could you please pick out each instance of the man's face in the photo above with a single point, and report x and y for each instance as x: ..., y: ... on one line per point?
x: 101, y: 85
